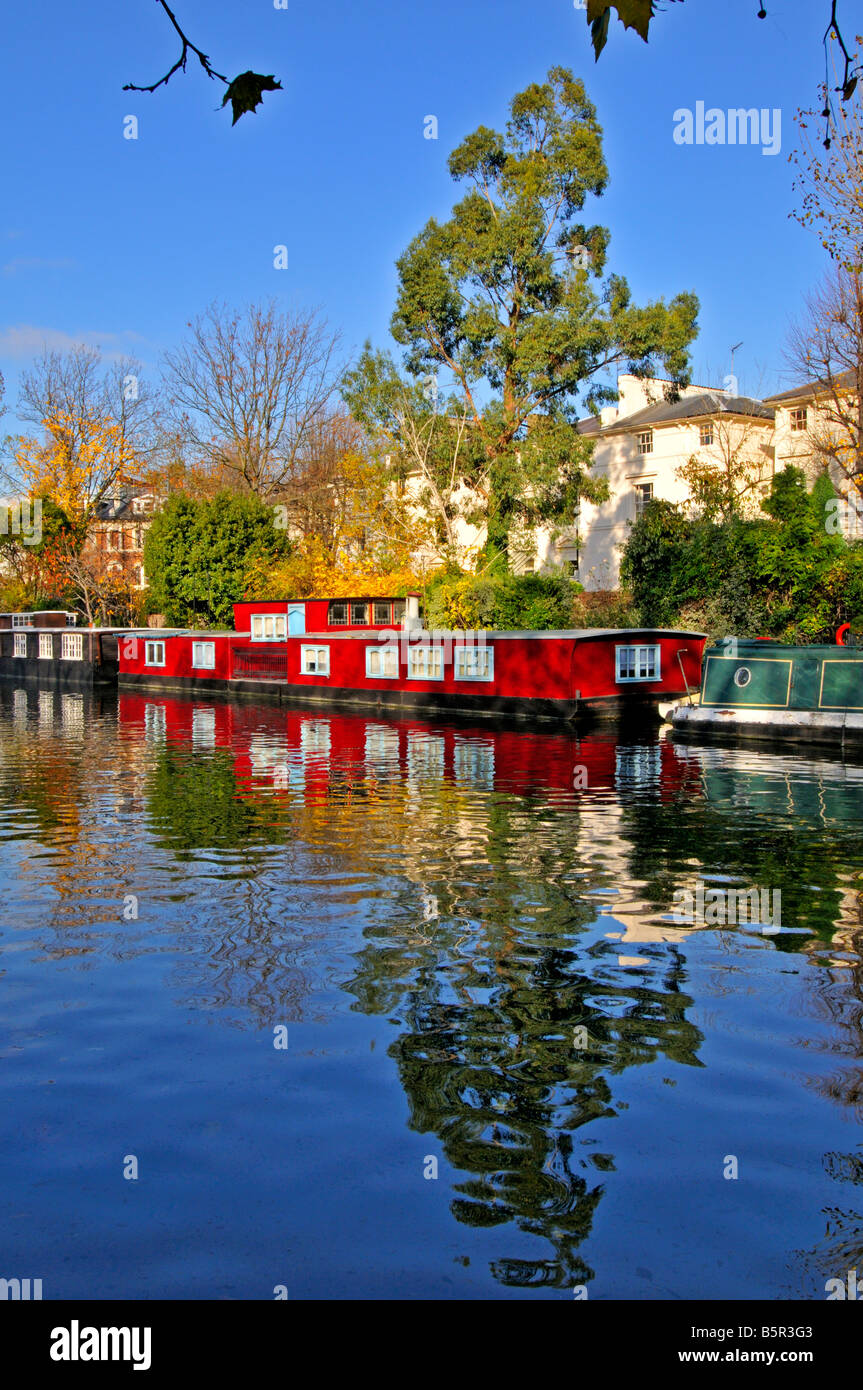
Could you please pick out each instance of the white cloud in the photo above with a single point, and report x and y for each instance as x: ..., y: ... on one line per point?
x: 28, y: 340
x: 20, y: 263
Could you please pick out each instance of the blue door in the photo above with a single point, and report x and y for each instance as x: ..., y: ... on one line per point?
x: 296, y: 619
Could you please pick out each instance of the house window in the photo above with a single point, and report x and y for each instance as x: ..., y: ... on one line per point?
x: 382, y: 661
x: 204, y: 655
x: 72, y: 646
x: 425, y: 664
x: 360, y: 614
x: 19, y: 644
x: 799, y: 418
x: 705, y: 434
x: 46, y: 646
x: 315, y: 661
x: 637, y: 664
x: 382, y: 614
x: 338, y: 615
x: 269, y: 627
x: 22, y: 619
x: 643, y: 495
x: 644, y: 442
x: 474, y: 663
x: 154, y: 653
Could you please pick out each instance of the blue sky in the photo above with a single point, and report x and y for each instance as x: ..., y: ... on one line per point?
x: 119, y: 242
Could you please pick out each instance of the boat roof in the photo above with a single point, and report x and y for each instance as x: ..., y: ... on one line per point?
x: 574, y: 633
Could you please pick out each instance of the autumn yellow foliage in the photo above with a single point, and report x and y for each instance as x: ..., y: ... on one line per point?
x: 80, y: 458
x: 371, y: 543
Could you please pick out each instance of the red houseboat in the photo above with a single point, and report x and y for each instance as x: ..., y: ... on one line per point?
x: 376, y: 653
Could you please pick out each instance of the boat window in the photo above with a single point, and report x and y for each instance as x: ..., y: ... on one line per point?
x: 20, y: 644
x: 382, y: 613
x: 360, y: 614
x: 315, y: 661
x: 72, y: 646
x: 269, y: 627
x: 46, y: 646
x: 338, y: 616
x: 425, y: 664
x: 638, y: 663
x: 398, y: 610
x: 474, y: 663
x: 383, y: 661
x: 204, y: 655
x: 154, y: 653
x: 742, y: 676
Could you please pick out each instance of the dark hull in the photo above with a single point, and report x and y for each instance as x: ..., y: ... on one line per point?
x: 783, y: 728
x: 66, y: 675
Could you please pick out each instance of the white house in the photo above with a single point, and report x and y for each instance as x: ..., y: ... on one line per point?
x: 639, y: 445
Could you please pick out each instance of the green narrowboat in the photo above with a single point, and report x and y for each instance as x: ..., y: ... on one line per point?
x: 767, y: 691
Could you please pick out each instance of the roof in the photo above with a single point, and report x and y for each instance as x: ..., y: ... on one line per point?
x: 342, y: 598
x: 574, y: 633
x: 844, y: 380
x: 709, y: 404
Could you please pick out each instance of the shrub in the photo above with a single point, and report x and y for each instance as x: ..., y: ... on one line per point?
x: 536, y: 602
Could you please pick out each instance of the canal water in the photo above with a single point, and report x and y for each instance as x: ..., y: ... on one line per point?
x: 304, y: 1003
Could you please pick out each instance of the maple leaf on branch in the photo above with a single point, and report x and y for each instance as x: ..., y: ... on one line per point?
x: 635, y: 14
x: 245, y: 93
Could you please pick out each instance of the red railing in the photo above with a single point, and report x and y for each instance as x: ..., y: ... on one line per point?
x: 260, y: 663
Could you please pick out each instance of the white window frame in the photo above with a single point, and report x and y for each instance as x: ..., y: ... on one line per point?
x: 22, y: 619
x: 360, y: 622
x: 389, y: 654
x: 465, y: 661
x: 72, y: 646
x: 338, y: 622
x: 316, y: 649
x: 642, y: 497
x: 644, y: 441
x: 386, y: 621
x: 46, y: 646
x: 279, y: 627
x: 19, y: 644
x: 430, y: 658
x: 150, y: 656
x: 198, y: 653
x: 643, y: 655
x: 799, y: 419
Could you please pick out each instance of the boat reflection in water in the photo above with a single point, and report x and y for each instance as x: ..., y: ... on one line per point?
x: 470, y: 932
x: 508, y: 1033
x: 525, y: 948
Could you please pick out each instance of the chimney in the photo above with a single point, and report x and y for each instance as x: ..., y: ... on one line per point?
x: 412, y: 621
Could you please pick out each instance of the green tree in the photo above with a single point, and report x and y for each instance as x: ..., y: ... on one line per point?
x: 198, y: 554
x: 507, y: 297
